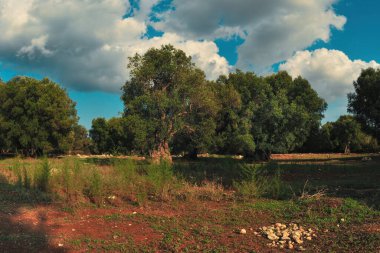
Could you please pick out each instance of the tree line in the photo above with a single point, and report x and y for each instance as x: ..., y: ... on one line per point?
x: 171, y: 108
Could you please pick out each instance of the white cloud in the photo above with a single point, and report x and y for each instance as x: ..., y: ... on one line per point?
x: 37, y: 45
x: 85, y: 44
x: 330, y: 72
x: 273, y: 29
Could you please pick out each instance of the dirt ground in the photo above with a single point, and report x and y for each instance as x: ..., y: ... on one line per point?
x: 126, y: 229
x: 28, y: 224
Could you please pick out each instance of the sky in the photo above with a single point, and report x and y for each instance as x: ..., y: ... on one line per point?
x: 84, y: 45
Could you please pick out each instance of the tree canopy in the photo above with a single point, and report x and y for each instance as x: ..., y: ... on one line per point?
x: 278, y: 111
x: 169, y: 94
x: 170, y: 107
x: 343, y: 135
x: 175, y: 109
x: 36, y: 117
x: 364, y: 102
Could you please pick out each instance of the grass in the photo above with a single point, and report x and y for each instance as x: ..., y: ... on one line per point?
x: 212, y: 198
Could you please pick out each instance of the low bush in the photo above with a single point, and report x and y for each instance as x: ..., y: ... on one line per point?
x: 42, y: 176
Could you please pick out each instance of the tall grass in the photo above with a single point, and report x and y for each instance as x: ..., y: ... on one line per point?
x: 94, y: 189
x: 74, y: 181
x: 42, y: 176
x: 261, y: 182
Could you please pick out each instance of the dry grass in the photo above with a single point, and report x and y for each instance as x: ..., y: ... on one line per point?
x: 312, y: 156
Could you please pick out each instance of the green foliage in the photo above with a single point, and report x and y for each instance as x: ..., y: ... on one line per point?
x: 168, y: 93
x: 261, y: 184
x: 36, y: 117
x: 99, y: 135
x: 81, y: 140
x: 94, y: 189
x: 27, y: 180
x: 281, y: 112
x: 42, y: 176
x: 346, y: 133
x: 170, y: 106
x: 233, y: 122
x: 160, y: 179
x: 364, y: 103
x: 126, y: 135
x: 343, y: 135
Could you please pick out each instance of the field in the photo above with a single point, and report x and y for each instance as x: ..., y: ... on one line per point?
x: 97, y: 204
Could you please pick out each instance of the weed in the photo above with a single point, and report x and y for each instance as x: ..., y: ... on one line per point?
x: 160, y: 179
x: 94, y: 191
x: 42, y: 176
x: 260, y: 184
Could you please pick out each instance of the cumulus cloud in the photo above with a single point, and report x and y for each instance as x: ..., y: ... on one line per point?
x: 330, y: 72
x: 36, y: 45
x: 85, y: 44
x: 273, y: 29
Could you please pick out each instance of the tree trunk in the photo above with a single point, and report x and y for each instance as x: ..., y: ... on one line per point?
x: 161, y: 153
x: 347, y: 150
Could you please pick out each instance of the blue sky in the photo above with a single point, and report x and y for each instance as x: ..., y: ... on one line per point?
x: 326, y: 41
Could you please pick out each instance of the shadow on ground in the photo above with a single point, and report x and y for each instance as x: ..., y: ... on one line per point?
x: 341, y: 177
x: 22, y: 235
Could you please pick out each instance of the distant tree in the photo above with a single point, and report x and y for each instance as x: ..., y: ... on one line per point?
x: 346, y: 136
x: 81, y: 140
x: 294, y: 109
x: 165, y: 91
x: 319, y: 140
x: 364, y: 102
x: 99, y: 134
x: 4, y: 142
x: 36, y: 116
x: 343, y: 135
x: 233, y: 122
x: 282, y: 111
x: 122, y: 135
x: 117, y: 134
x: 199, y: 136
x: 136, y: 131
x: 127, y: 135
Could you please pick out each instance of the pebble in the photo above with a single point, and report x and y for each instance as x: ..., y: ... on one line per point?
x: 243, y: 231
x: 300, y: 248
x: 287, y: 236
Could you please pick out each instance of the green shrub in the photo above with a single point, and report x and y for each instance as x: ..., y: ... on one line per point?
x: 160, y: 179
x: 27, y: 180
x: 261, y: 183
x: 42, y: 176
x: 67, y: 179
x: 126, y: 170
x: 94, y: 190
x: 15, y: 168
